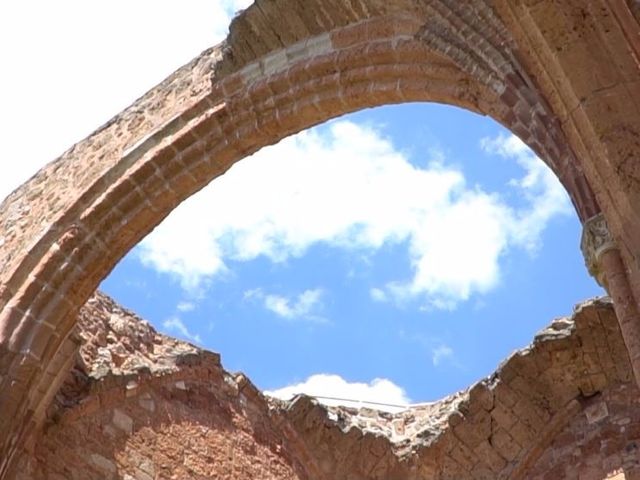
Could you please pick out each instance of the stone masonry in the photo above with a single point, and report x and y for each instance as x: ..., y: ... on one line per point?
x: 563, y: 75
x: 139, y: 405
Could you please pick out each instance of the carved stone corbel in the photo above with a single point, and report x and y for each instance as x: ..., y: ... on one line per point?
x: 596, y: 240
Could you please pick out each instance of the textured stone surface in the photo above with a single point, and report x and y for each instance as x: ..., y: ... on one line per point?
x: 562, y: 75
x: 140, y: 405
x: 564, y: 407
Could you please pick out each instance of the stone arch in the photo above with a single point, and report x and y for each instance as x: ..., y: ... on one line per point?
x: 276, y: 74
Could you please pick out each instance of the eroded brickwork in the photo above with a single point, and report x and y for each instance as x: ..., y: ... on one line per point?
x: 140, y: 405
x: 602, y: 442
x: 498, y: 428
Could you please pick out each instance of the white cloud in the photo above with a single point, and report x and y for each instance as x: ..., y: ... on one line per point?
x: 303, y: 307
x: 176, y: 325
x: 436, y: 348
x: 185, y: 306
x: 545, y: 195
x: 378, y: 295
x: 506, y: 146
x: 347, y: 186
x: 283, y: 306
x: 75, y: 64
x: 440, y: 353
x: 350, y: 394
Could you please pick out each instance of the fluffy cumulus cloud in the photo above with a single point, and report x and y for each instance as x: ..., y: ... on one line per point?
x: 305, y: 306
x: 347, y: 186
x: 335, y: 390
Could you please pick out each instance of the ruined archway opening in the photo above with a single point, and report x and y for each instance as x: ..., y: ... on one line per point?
x: 418, y: 243
x: 280, y: 74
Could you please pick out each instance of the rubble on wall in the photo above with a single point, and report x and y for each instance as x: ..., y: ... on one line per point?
x: 141, y: 405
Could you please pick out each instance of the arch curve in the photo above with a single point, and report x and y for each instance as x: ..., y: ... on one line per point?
x: 275, y: 75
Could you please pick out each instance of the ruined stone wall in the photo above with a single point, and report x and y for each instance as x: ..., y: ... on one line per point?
x: 563, y: 75
x: 500, y: 427
x: 602, y: 442
x: 140, y: 405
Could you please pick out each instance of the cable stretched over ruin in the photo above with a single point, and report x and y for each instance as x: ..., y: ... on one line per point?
x: 361, y: 401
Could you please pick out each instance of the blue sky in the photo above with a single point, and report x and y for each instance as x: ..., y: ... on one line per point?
x: 397, y: 254
x: 420, y: 244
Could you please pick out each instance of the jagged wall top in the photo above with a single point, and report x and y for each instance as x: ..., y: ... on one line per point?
x: 499, y: 428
